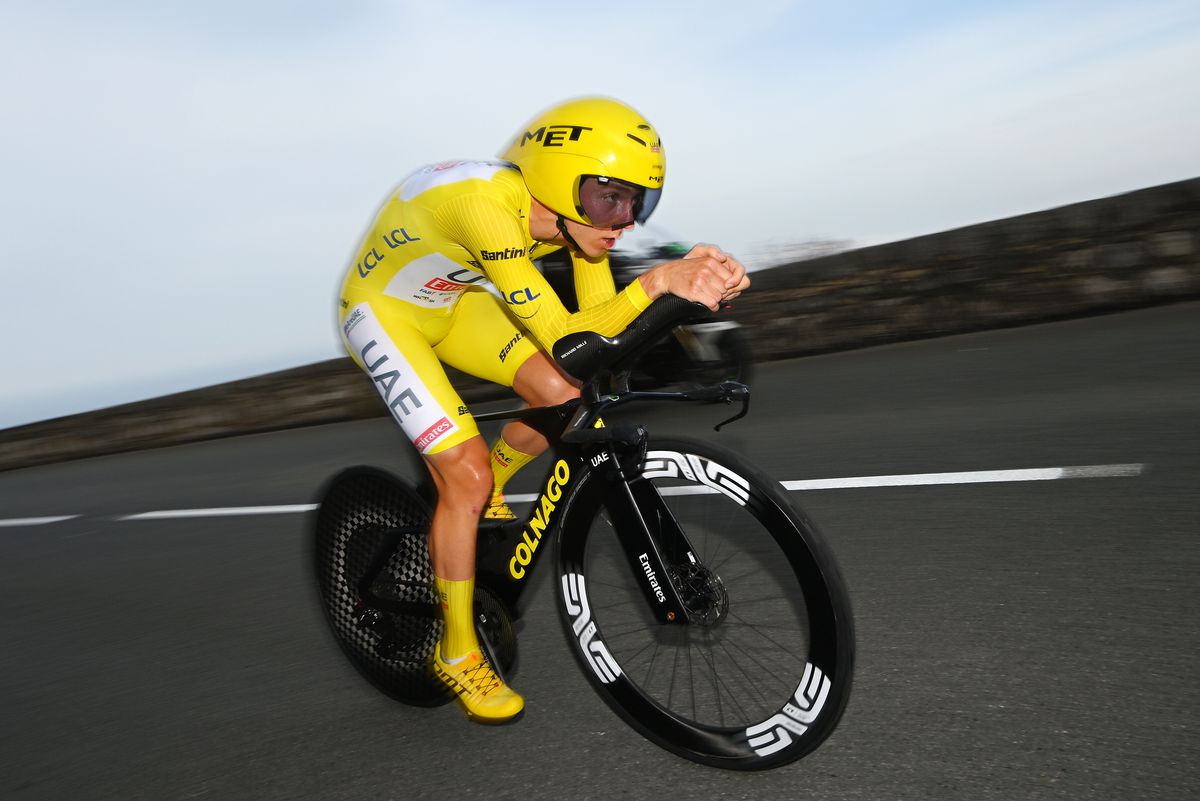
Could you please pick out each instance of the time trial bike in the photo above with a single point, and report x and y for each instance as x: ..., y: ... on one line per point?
x: 700, y: 603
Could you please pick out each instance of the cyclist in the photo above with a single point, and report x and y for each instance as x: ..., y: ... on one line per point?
x: 577, y: 176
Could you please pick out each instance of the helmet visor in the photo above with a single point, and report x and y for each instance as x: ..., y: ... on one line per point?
x: 613, y: 203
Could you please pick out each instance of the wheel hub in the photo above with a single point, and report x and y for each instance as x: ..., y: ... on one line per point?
x: 702, y: 592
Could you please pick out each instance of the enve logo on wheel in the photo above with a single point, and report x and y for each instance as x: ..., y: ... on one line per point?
x: 690, y: 467
x: 773, y: 734
x: 595, y: 651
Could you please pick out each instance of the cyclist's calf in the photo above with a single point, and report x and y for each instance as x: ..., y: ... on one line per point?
x: 464, y: 480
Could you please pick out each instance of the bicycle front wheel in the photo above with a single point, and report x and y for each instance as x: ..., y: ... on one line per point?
x: 760, y: 672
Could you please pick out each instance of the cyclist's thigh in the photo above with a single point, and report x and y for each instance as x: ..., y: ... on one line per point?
x: 483, y: 341
x: 385, y: 339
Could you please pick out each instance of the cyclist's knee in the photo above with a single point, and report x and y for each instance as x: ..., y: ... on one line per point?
x: 558, y: 390
x: 462, y: 473
x: 540, y: 383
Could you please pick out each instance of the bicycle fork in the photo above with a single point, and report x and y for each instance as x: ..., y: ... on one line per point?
x: 656, y: 549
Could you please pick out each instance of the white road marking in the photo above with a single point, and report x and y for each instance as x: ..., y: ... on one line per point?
x: 228, y: 511
x: 859, y: 482
x: 974, y: 477
x: 926, y: 479
x: 34, y: 521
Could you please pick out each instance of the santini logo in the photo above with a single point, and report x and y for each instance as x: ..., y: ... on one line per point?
x: 512, y: 343
x: 501, y: 255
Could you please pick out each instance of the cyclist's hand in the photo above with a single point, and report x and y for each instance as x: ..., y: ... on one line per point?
x: 737, y: 281
x: 705, y: 275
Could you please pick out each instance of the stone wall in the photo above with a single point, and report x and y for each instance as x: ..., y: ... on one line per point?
x: 331, y: 391
x: 1135, y: 249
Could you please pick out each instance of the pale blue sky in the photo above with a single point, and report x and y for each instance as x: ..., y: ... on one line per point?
x: 184, y: 181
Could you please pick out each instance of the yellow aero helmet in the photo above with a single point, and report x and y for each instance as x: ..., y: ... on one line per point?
x: 593, y: 160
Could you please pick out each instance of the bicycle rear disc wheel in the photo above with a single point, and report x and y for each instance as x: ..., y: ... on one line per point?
x: 372, y: 564
x: 761, y: 673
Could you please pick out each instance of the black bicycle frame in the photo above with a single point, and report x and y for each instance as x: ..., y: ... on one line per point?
x: 587, y: 457
x: 508, y: 551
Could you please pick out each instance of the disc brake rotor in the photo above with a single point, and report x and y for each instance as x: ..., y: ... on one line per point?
x: 702, y: 592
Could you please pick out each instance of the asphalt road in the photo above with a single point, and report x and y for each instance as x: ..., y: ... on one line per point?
x: 1017, y: 640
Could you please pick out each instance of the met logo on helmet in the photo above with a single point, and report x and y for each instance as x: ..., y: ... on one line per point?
x: 553, y: 135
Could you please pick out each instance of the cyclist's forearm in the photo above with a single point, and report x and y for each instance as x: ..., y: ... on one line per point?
x: 593, y: 282
x: 704, y: 278
x: 607, y: 318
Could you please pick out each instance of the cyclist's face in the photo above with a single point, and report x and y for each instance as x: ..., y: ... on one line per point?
x: 594, y: 241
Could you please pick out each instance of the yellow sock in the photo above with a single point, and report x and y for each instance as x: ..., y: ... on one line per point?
x: 458, y: 609
x: 505, y: 461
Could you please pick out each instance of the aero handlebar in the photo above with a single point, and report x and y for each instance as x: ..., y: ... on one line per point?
x: 586, y: 353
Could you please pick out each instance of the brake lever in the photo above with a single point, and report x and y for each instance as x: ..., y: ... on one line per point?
x: 735, y: 390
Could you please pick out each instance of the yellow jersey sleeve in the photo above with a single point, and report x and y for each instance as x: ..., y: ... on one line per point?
x: 498, y: 238
x: 593, y: 280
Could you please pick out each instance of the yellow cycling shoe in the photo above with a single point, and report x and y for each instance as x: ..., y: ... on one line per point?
x: 483, y: 695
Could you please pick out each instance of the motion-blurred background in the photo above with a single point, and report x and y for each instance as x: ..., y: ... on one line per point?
x: 184, y: 182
